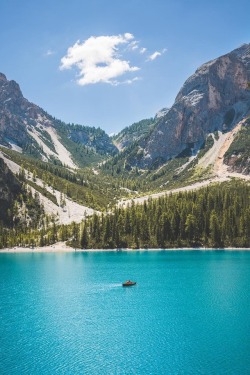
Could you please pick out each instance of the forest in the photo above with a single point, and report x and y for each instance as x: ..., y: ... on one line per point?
x: 217, y: 216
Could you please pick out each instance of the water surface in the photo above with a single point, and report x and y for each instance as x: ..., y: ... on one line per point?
x: 67, y: 313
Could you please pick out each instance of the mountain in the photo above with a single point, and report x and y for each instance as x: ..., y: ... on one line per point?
x: 133, y: 133
x: 237, y: 157
x: 214, y: 98
x: 27, y: 128
x: 54, y: 175
x: 161, y: 113
x: 18, y: 207
x: 137, y: 131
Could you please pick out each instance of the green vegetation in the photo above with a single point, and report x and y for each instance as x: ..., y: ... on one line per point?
x: 134, y: 132
x: 122, y: 164
x: 20, y: 210
x: 207, y: 145
x: 83, y: 186
x: 32, y: 148
x: 239, y: 150
x: 217, y: 216
x: 46, y: 138
x: 42, y: 190
x: 174, y: 173
x: 88, y: 145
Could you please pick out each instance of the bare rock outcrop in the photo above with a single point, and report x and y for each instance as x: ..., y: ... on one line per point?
x: 214, y: 98
x: 16, y: 113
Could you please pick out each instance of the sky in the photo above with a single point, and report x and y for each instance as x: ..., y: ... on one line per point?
x: 110, y: 63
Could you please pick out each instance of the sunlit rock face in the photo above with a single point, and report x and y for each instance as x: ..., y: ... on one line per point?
x: 22, y: 123
x: 215, y: 97
x: 17, y: 113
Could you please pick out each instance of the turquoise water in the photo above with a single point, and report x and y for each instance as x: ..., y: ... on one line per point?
x: 68, y: 314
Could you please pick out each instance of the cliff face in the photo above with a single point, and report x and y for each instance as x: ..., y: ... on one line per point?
x: 215, y: 97
x: 133, y: 133
x: 26, y: 127
x: 16, y: 113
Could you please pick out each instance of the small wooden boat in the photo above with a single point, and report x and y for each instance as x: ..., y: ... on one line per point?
x: 129, y: 283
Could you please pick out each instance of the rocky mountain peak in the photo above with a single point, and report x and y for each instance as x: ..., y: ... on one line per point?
x: 16, y: 113
x: 161, y: 113
x: 243, y: 53
x: 26, y: 127
x: 215, y: 97
x: 2, y: 77
x: 227, y: 73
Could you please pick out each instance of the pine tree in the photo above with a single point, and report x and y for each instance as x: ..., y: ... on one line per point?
x: 84, y: 238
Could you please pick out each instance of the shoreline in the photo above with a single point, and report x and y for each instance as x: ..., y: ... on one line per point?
x: 61, y: 247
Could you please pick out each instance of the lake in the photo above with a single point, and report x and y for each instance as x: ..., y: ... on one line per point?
x: 67, y: 313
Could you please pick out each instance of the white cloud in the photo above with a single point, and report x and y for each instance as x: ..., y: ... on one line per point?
x: 49, y: 52
x: 98, y: 59
x: 143, y: 50
x: 128, y: 36
x: 156, y: 54
x: 134, y: 45
x: 130, y: 81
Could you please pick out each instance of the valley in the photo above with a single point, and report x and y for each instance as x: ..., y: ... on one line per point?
x: 78, y: 174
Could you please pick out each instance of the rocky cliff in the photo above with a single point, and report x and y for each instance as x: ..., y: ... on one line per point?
x: 16, y: 113
x: 133, y: 133
x: 214, y: 98
x: 27, y: 128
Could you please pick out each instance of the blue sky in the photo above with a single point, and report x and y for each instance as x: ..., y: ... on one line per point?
x: 128, y: 58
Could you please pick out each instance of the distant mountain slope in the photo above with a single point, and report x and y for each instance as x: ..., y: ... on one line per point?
x: 214, y: 98
x: 10, y: 188
x: 27, y: 128
x: 237, y: 156
x: 18, y: 207
x: 93, y: 139
x: 133, y: 133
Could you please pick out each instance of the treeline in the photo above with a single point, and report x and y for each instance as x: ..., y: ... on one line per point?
x: 83, y: 186
x: 138, y: 129
x: 217, y: 216
x: 96, y: 140
x: 46, y: 233
x: 20, y: 222
x: 18, y: 207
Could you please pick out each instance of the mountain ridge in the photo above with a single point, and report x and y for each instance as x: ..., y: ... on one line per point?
x: 25, y: 127
x: 202, y: 138
x: 214, y: 98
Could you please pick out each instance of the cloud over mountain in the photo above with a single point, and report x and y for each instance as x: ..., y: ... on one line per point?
x: 99, y: 59
x: 156, y: 54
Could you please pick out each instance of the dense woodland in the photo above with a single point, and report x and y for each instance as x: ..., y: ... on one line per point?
x: 134, y: 132
x: 216, y: 216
